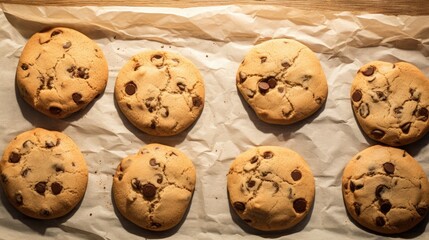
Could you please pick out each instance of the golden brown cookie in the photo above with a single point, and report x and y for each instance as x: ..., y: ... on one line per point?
x: 385, y: 190
x: 282, y: 80
x: 161, y: 93
x: 270, y: 188
x: 61, y: 71
x: 154, y: 187
x: 43, y: 174
x: 391, y: 101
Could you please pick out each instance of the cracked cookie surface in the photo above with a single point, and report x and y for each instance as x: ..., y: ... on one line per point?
x: 270, y: 188
x: 391, y: 102
x: 385, y: 190
x: 282, y: 80
x: 43, y: 174
x: 61, y: 71
x: 154, y: 187
x: 161, y: 93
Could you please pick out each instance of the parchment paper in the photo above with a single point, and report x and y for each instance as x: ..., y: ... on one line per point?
x: 216, y: 40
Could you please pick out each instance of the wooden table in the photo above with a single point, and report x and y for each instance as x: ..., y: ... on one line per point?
x: 395, y: 7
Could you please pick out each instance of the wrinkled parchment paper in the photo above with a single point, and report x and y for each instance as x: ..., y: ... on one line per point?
x: 216, y: 40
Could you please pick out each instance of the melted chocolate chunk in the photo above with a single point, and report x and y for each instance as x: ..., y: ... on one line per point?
x: 196, y: 101
x: 130, y: 88
x: 272, y: 82
x: 377, y: 133
x: 67, y: 45
x: 268, y: 155
x: 379, y: 221
x: 181, y: 86
x: 155, y: 225
x: 56, y: 188
x: 160, y: 178
x: 422, y: 114
x: 148, y: 190
x: 263, y: 59
x: 357, y: 96
x: 40, y: 188
x: 152, y: 124
x: 239, y: 206
x: 24, y: 66
x: 285, y: 64
x: 77, y: 98
x: 153, y: 162
x: 263, y: 87
x: 251, y: 184
x: 352, y: 186
x: 254, y: 159
x: 300, y: 205
x: 55, y: 110
x: 406, y: 127
x: 296, y: 175
x: 357, y: 206
x: 369, y: 71
x: 385, y: 206
x: 14, y: 157
x: 422, y: 211
x: 379, y: 190
x: 389, y: 168
x: 56, y: 32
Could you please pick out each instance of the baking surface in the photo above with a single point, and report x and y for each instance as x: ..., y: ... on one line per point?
x: 216, y: 40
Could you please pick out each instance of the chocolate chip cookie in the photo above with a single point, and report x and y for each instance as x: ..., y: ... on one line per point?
x: 154, y: 187
x: 161, y: 93
x: 43, y: 173
x: 385, y: 190
x: 282, y: 80
x: 270, y: 188
x: 61, y: 71
x: 391, y: 102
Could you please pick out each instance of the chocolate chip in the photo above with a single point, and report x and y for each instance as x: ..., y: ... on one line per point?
x: 83, y: 73
x: 377, y: 133
x: 77, y: 97
x: 120, y: 176
x: 242, y: 76
x: 389, y: 168
x: 300, y: 205
x: 160, y: 178
x: 157, y: 56
x: 18, y: 199
x: 398, y: 110
x: 56, y: 188
x: 422, y: 114
x: 379, y: 190
x: 422, y: 211
x: 152, y: 162
x: 56, y: 32
x: 254, y: 159
x: 71, y: 69
x: 379, y: 221
x: 357, y: 96
x: 280, y: 89
x: 152, y: 124
x: 24, y: 66
x: 164, y: 112
x: 45, y: 213
x: 272, y: 82
x: 24, y: 172
x: 135, y: 183
x: 352, y: 186
x: 369, y: 71
x: 40, y: 188
x: 385, y: 206
x: 263, y: 59
x: 251, y: 183
x: 239, y: 206
x: 148, y: 190
x: 14, y: 157
x: 380, y: 95
x: 296, y: 175
x: 196, y: 101
x: 67, y: 45
x: 58, y: 168
x: 406, y: 127
x: 263, y: 87
x: 130, y: 88
x: 181, y: 86
x: 155, y: 225
x: 49, y: 144
x: 276, y: 186
x: 285, y: 64
x: 55, y: 110
x: 364, y: 110
x: 268, y: 155
x: 137, y: 66
x: 357, y: 206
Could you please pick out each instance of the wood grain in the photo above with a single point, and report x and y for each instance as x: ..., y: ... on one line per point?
x: 391, y: 7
